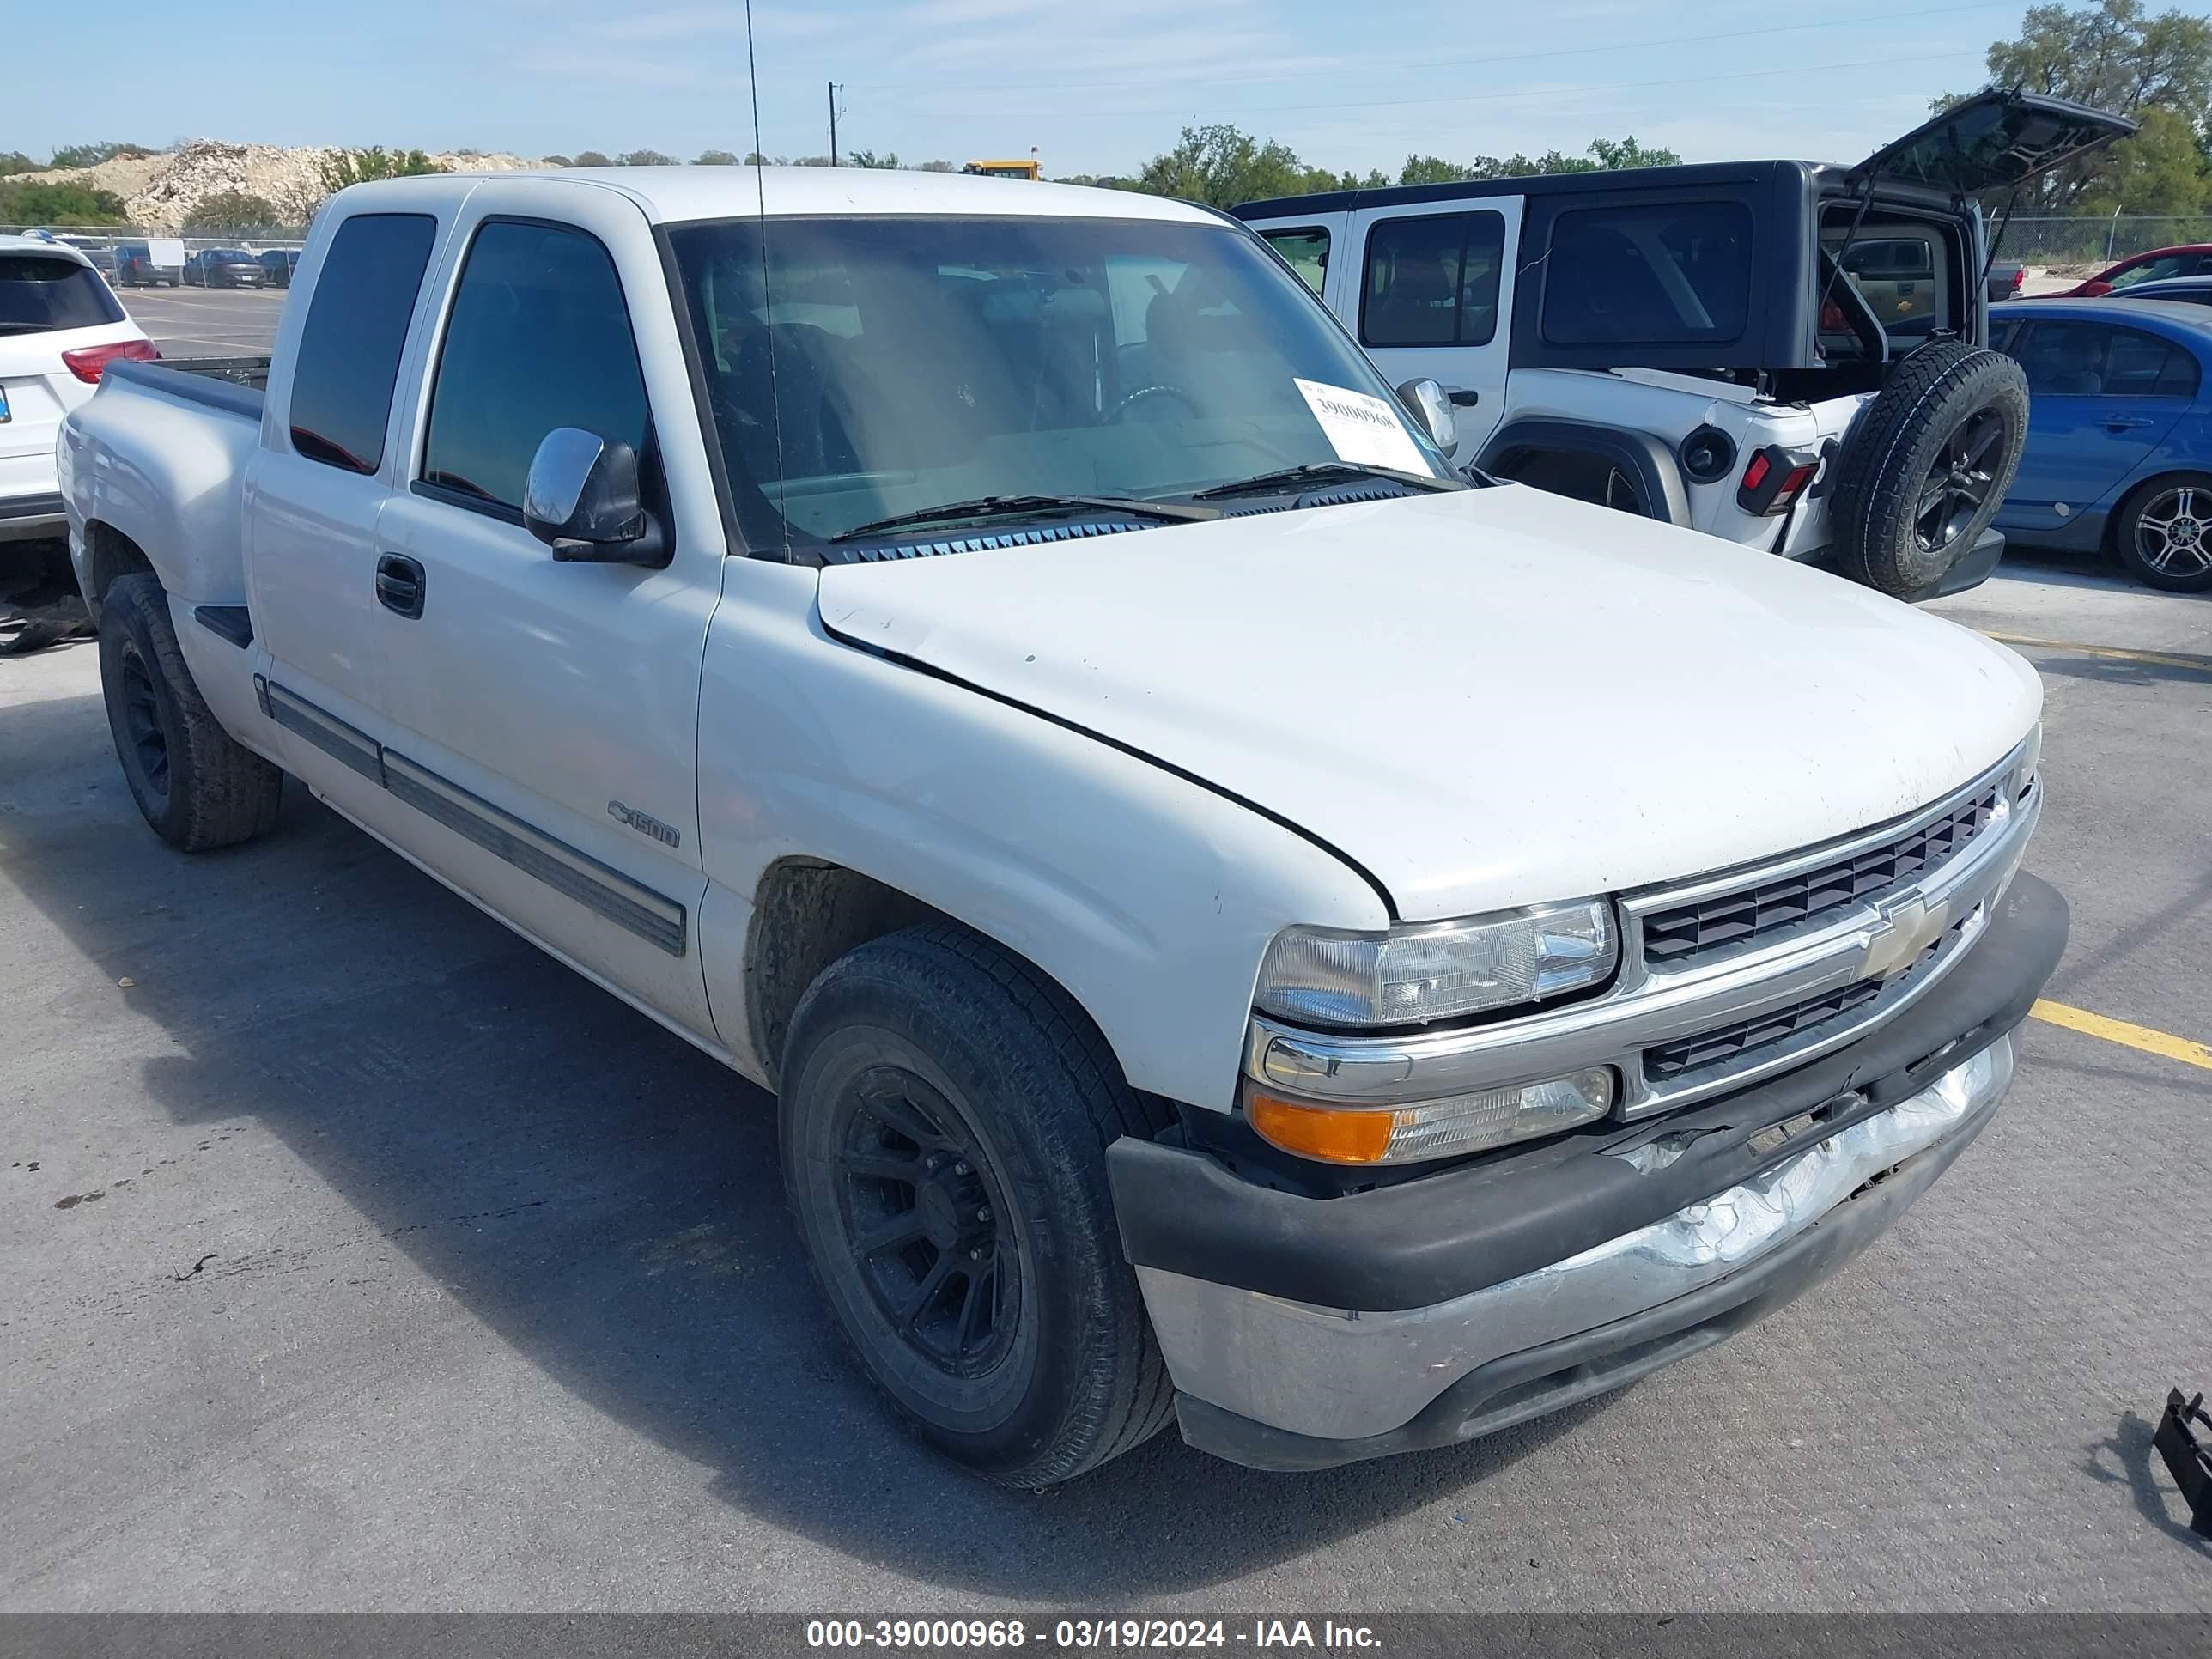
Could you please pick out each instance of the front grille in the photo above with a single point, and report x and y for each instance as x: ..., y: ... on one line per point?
x: 1674, y: 936
x: 1745, y: 1039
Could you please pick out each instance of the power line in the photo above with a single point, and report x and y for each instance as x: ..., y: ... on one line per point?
x: 1456, y: 62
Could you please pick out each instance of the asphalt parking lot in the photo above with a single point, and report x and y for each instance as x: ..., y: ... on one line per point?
x: 361, y: 1257
x: 206, y: 322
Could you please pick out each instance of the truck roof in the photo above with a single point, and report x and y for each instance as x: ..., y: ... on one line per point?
x: 673, y: 195
x: 1541, y: 184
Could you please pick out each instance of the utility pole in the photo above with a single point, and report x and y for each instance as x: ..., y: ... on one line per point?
x: 833, y: 123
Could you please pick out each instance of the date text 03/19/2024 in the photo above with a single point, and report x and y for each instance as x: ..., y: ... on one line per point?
x: 1086, y: 1634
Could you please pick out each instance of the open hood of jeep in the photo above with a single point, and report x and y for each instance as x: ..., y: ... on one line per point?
x: 1994, y: 141
x: 1487, y: 697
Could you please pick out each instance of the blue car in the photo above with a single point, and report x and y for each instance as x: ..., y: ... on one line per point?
x: 2119, y: 434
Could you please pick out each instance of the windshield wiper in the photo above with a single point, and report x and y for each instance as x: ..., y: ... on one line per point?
x: 1316, y: 471
x: 1007, y: 506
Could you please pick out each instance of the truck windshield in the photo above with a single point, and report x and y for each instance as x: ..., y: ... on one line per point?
x: 865, y: 369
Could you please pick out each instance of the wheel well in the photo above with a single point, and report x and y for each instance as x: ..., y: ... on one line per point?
x: 806, y: 916
x: 1576, y: 458
x: 1577, y: 474
x: 112, y: 556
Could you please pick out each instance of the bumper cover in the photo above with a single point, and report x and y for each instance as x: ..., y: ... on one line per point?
x: 1305, y: 1332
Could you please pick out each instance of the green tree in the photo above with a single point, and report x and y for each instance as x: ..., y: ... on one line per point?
x: 1602, y: 154
x: 14, y: 160
x: 715, y: 158
x: 235, y: 213
x: 868, y: 158
x: 2161, y: 170
x: 91, y: 155
x: 360, y: 166
x: 592, y: 158
x: 1222, y: 165
x: 29, y: 202
x: 555, y: 161
x: 647, y: 158
x: 2114, y: 55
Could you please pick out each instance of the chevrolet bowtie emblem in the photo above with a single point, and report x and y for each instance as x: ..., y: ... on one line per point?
x: 1903, y: 930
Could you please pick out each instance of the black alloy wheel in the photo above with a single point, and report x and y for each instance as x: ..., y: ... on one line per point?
x: 1958, y: 485
x: 927, y: 1224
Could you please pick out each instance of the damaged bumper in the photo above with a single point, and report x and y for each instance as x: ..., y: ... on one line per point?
x: 1302, y: 1333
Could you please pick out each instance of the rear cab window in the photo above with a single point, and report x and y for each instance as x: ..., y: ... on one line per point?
x: 42, y: 293
x: 538, y: 337
x: 348, y: 361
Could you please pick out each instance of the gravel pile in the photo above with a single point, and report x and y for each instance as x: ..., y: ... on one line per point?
x: 159, y: 191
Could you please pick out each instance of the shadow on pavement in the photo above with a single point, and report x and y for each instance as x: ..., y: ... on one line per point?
x: 599, y: 1194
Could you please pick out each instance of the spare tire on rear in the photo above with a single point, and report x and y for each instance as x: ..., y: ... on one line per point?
x: 1926, y: 465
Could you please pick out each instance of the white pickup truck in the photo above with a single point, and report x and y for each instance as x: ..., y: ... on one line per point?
x: 1242, y: 924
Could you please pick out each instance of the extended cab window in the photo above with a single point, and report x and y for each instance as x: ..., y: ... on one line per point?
x: 2097, y: 359
x: 539, y: 338
x: 1665, y: 273
x: 1432, y: 281
x: 1305, y: 251
x: 349, y: 356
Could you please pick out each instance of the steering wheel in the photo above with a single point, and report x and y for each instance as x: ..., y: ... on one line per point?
x: 1157, y: 389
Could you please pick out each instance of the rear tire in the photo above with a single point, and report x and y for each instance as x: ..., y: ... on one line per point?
x: 196, y: 784
x: 1927, y: 465
x: 2163, y: 533
x: 944, y: 1117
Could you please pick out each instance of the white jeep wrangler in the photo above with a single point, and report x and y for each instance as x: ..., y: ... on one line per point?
x: 1783, y: 353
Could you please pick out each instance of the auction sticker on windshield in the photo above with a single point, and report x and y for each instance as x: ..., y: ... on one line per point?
x: 1363, y: 430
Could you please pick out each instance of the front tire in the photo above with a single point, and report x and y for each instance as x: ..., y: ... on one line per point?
x: 944, y: 1117
x: 2163, y: 533
x: 196, y: 784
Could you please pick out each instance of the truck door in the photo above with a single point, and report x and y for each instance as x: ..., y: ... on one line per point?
x: 316, y: 487
x: 1428, y: 291
x: 545, y: 714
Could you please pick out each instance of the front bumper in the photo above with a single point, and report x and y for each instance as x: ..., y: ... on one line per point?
x: 1301, y: 1333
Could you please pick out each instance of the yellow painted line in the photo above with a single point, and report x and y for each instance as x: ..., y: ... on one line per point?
x: 2118, y: 1030
x: 2156, y: 658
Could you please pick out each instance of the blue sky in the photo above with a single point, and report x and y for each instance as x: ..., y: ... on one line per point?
x: 1097, y: 85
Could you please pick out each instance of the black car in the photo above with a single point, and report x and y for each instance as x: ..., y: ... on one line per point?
x: 280, y: 262
x: 225, y: 267
x: 135, y: 268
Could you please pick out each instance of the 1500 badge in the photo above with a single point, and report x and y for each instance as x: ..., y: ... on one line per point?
x: 644, y: 824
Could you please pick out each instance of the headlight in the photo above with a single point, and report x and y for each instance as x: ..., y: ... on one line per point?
x: 1414, y: 975
x: 1448, y: 1127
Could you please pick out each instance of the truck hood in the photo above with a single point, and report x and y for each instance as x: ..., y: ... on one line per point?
x: 1483, y: 698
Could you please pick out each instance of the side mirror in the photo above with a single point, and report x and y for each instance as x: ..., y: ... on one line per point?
x: 1428, y: 403
x: 581, y: 499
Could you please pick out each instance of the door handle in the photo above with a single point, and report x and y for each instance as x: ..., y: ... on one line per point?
x: 399, y: 585
x: 1462, y: 397
x: 2125, y: 422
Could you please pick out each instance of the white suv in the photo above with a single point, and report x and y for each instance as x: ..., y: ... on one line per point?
x: 1785, y: 355
x: 60, y: 326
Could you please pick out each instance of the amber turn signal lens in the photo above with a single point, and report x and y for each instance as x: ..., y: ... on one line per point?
x: 1338, y: 1137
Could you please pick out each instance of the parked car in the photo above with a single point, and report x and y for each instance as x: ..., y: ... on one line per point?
x: 2186, y: 290
x: 224, y: 267
x: 60, y: 327
x: 2119, y: 434
x: 2193, y: 260
x: 99, y: 255
x: 849, y: 617
x: 279, y: 262
x: 135, y: 268
x: 1680, y: 342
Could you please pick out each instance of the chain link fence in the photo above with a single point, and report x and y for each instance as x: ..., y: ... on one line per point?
x: 111, y: 236
x: 2098, y: 239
